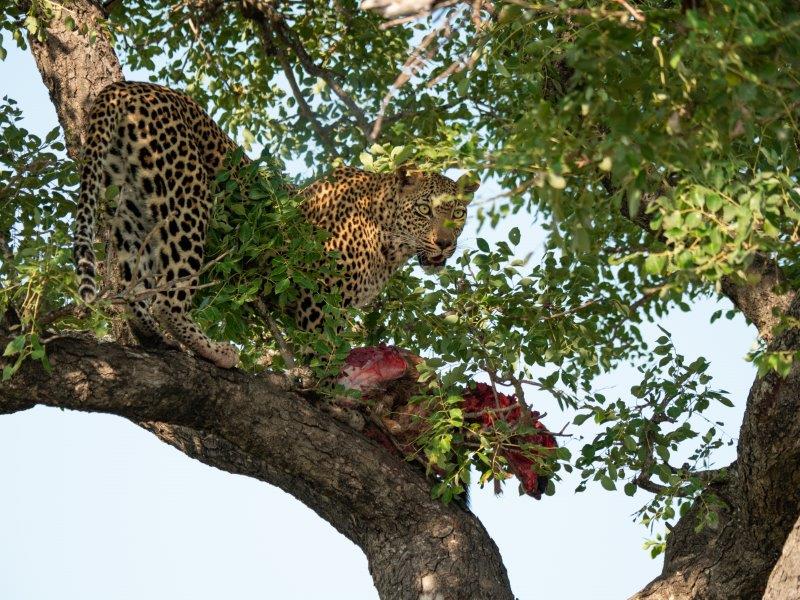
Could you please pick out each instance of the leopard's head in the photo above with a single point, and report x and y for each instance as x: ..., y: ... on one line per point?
x: 433, y: 210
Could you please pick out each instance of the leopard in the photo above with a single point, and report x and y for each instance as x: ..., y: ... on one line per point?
x: 161, y: 152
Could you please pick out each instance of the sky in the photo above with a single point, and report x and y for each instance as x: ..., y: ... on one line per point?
x: 92, y: 507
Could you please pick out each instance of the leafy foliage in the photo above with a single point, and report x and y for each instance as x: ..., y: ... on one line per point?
x: 262, y: 253
x: 36, y: 199
x: 583, y: 114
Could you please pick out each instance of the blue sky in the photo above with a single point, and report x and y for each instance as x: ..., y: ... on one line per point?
x: 92, y: 507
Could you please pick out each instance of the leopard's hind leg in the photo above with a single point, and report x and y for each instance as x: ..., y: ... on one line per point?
x: 131, y: 234
x: 178, y: 261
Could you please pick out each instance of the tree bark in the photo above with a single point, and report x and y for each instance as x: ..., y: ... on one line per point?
x: 253, y: 425
x: 259, y: 427
x: 75, y: 63
x: 784, y: 582
x: 762, y: 492
x: 74, y: 68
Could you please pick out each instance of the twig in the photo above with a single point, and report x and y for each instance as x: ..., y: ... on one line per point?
x: 67, y: 310
x: 468, y: 62
x: 290, y: 39
x: 271, y: 47
x: 636, y: 14
x: 491, y: 410
x: 131, y: 298
x: 461, y: 64
x: 286, y: 354
x: 410, y: 68
x: 413, y: 113
x: 270, y: 20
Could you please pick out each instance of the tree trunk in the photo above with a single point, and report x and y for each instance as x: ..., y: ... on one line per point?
x: 784, y: 583
x: 74, y: 68
x: 762, y: 492
x: 253, y: 425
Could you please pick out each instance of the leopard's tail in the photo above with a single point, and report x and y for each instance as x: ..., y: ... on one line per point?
x: 101, y: 128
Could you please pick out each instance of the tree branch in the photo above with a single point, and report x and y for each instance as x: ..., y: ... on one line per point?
x: 416, y: 60
x: 402, y: 11
x: 783, y: 582
x: 75, y: 69
x: 272, y: 48
x: 270, y: 20
x: 291, y: 40
x: 258, y: 426
x: 762, y: 297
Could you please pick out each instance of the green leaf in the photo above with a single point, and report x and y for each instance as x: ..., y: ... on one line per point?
x: 15, y: 346
x: 366, y: 159
x: 654, y: 264
x: 607, y: 483
x: 581, y: 419
x: 713, y: 202
x: 112, y: 191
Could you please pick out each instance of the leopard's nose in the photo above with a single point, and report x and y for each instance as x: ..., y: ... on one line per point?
x: 442, y: 243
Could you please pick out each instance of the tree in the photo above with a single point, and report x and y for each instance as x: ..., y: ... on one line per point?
x: 655, y: 141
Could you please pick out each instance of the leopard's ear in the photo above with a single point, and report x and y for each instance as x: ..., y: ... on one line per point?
x: 468, y: 184
x: 408, y: 174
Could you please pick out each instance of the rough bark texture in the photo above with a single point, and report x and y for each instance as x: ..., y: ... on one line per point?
x: 257, y: 426
x: 253, y: 425
x: 784, y: 583
x: 75, y: 69
x: 763, y: 495
x: 763, y: 298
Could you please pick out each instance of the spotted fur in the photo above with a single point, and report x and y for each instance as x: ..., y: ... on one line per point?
x: 162, y: 151
x: 376, y: 222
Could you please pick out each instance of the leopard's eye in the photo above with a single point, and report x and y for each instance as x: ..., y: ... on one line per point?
x: 423, y: 209
x: 459, y: 214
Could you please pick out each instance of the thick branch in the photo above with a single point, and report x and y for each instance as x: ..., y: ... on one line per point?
x: 785, y: 578
x: 74, y: 70
x: 403, y: 11
x: 258, y: 426
x: 762, y: 298
x: 761, y: 499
